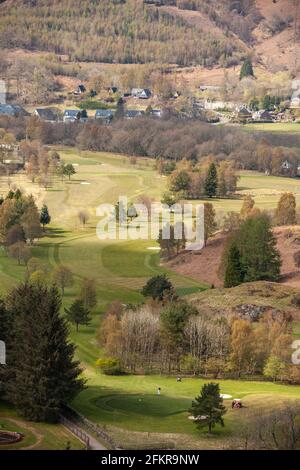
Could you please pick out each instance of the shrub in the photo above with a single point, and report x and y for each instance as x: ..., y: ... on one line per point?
x: 109, y: 366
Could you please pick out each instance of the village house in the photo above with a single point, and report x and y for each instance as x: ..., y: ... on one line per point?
x: 156, y: 113
x: 262, y: 115
x: 12, y: 110
x: 133, y: 113
x: 141, y: 93
x: 46, y: 114
x: 105, y: 115
x: 243, y: 115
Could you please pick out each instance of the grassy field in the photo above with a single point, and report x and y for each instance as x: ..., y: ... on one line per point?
x: 130, y: 403
x: 120, y: 269
x: 282, y: 127
x: 37, y: 436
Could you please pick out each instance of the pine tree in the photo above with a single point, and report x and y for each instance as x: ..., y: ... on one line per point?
x: 78, y: 314
x: 211, y: 182
x: 208, y: 409
x: 42, y: 373
x: 247, y: 69
x: 45, y: 218
x: 234, y: 272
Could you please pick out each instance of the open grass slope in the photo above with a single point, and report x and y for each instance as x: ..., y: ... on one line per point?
x: 37, y: 436
x: 120, y: 269
x: 136, y: 416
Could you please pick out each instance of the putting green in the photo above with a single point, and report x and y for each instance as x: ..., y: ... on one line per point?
x: 143, y: 404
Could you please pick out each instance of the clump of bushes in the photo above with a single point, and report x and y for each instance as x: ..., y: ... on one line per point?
x: 109, y: 366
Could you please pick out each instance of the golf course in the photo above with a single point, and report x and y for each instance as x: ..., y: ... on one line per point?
x: 128, y: 405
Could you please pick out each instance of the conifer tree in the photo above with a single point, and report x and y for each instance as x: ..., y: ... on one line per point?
x: 45, y: 217
x: 211, y: 182
x: 42, y: 373
x: 207, y: 408
x: 78, y: 314
x: 234, y: 271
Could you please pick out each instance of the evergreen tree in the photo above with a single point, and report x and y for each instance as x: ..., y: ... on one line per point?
x: 247, y: 69
x: 45, y: 218
x: 78, y: 314
x: 256, y: 243
x: 120, y: 111
x: 234, y: 271
x: 208, y: 409
x: 173, y: 319
x: 42, y: 373
x: 211, y: 182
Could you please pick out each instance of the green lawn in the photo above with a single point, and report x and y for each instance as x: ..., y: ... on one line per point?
x: 131, y: 403
x: 120, y: 269
x: 282, y: 127
x: 37, y: 436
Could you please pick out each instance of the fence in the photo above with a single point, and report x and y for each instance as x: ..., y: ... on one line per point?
x: 74, y: 417
x: 76, y: 430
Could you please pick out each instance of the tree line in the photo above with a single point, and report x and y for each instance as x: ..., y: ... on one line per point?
x: 169, y: 335
x: 168, y: 140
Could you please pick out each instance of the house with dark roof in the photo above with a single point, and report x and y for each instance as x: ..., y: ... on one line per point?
x: 156, y: 113
x: 133, y: 113
x: 262, y: 115
x: 141, y: 93
x: 46, y: 114
x: 105, y: 115
x: 73, y: 115
x: 12, y: 110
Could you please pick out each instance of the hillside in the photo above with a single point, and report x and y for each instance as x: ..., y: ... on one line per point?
x: 124, y: 32
x: 205, y: 266
x: 249, y: 300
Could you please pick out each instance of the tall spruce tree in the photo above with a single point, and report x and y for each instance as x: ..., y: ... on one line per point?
x: 42, y: 372
x: 207, y: 408
x: 78, y: 314
x: 211, y: 182
x: 234, y: 272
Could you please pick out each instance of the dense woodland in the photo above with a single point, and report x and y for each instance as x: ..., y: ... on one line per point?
x: 168, y: 139
x: 105, y: 31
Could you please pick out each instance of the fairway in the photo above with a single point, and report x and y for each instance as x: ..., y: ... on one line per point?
x: 131, y: 403
x: 120, y: 269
